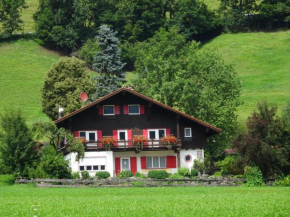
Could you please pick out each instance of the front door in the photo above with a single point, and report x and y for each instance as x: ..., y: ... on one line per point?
x: 125, y: 164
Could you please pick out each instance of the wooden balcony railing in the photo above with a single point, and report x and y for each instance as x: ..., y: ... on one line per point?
x: 122, y: 145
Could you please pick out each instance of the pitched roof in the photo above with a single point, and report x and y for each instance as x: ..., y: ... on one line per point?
x: 141, y: 96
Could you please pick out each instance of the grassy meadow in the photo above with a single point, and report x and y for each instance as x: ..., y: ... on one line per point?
x: 23, y: 66
x: 262, y: 61
x: 27, y: 200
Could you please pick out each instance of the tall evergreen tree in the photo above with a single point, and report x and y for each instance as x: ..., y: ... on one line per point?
x: 107, y: 61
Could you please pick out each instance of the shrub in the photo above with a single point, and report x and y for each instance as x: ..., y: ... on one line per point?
x: 37, y: 173
x: 75, y: 175
x: 229, y: 166
x: 217, y: 174
x: 102, y: 175
x: 125, y: 174
x: 184, y: 171
x: 194, y: 172
x: 88, y: 50
x: 158, y: 174
x: 85, y: 175
x: 177, y: 176
x: 199, y: 165
x: 254, y: 176
x: 140, y: 175
x: 283, y: 181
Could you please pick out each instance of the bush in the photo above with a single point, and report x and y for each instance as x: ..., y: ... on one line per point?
x: 37, y: 173
x: 283, y: 181
x: 158, y: 174
x: 102, y: 175
x: 229, y: 166
x: 194, y: 172
x: 217, y: 174
x: 125, y: 174
x: 254, y: 176
x: 177, y: 176
x: 75, y: 175
x: 184, y: 171
x: 85, y: 175
x: 199, y: 165
x: 88, y: 50
x: 140, y: 175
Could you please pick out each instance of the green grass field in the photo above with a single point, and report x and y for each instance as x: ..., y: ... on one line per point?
x: 27, y: 200
x: 23, y: 66
x: 263, y: 63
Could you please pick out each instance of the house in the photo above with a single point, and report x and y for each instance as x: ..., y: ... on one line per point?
x: 124, y: 114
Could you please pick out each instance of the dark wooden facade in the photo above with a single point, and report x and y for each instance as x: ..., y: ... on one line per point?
x: 156, y: 116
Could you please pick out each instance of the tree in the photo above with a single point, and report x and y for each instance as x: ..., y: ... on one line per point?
x: 62, y: 86
x: 107, y: 61
x: 265, y: 144
x: 10, y: 15
x: 194, y: 81
x: 18, y: 150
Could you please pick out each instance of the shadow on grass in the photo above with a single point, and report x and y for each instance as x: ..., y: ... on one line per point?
x: 6, y: 180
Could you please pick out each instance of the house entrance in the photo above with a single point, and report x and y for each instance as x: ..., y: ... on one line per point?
x: 125, y: 164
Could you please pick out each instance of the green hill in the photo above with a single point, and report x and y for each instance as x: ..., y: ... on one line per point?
x: 23, y: 66
x: 263, y: 63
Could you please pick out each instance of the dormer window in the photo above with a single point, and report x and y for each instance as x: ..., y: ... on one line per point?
x: 134, y: 109
x: 109, y: 110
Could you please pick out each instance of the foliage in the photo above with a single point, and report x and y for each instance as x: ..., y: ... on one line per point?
x: 194, y: 172
x: 169, y: 139
x: 75, y: 175
x: 158, y: 174
x: 283, y: 181
x: 108, y: 140
x: 125, y: 174
x: 266, y: 144
x: 102, y: 175
x: 138, y: 139
x: 85, y: 175
x: 229, y: 166
x: 176, y: 176
x: 88, y: 50
x: 217, y: 174
x: 195, y: 20
x: 56, y: 136
x: 254, y: 176
x: 184, y: 171
x: 62, y: 86
x: 18, y: 150
x: 198, y: 164
x: 194, y: 81
x: 10, y: 15
x: 140, y: 175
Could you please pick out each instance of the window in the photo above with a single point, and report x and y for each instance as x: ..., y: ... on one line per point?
x: 188, y: 158
x: 82, y: 168
x: 89, y: 167
x: 134, y: 109
x: 156, y: 134
x: 92, y: 167
x: 103, y: 167
x: 199, y: 154
x: 83, y: 134
x: 109, y: 110
x: 187, y: 132
x: 155, y: 162
x: 95, y: 167
x: 122, y: 135
x: 89, y: 135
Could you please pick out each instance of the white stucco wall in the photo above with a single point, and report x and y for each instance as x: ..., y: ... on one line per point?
x: 193, y: 153
x: 92, y: 158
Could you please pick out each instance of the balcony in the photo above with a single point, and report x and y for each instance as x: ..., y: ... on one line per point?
x: 123, y: 145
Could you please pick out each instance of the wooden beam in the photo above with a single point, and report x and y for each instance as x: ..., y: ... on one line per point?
x: 177, y: 127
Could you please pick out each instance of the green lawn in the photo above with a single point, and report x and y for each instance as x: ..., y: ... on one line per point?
x: 27, y: 200
x: 263, y: 63
x: 27, y: 15
x: 23, y: 66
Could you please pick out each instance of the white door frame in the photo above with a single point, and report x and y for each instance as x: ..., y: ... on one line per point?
x: 129, y: 163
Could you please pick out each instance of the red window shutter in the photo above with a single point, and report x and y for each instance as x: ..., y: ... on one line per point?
x: 115, y: 136
x: 126, y: 109
x: 117, y: 109
x: 129, y: 133
x: 76, y: 134
x: 100, y: 136
x: 145, y: 134
x: 171, y: 161
x: 167, y: 132
x: 142, y: 109
x: 117, y: 165
x: 101, y: 110
x: 143, y: 163
x: 133, y: 162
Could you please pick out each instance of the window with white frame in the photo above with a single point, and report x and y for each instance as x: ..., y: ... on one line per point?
x: 156, y: 133
x: 156, y: 162
x: 89, y: 135
x: 109, y: 110
x: 187, y: 132
x: 134, y: 109
x: 199, y: 154
x: 93, y: 168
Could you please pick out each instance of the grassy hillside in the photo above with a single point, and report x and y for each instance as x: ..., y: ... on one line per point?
x: 263, y: 63
x: 27, y: 15
x: 23, y: 66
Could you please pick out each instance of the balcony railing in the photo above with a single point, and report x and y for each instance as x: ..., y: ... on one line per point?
x: 122, y: 145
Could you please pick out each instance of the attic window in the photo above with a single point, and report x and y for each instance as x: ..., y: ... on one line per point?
x: 134, y: 109
x: 109, y: 110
